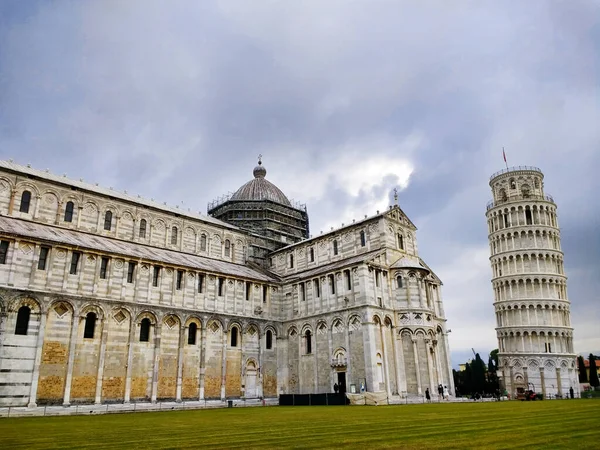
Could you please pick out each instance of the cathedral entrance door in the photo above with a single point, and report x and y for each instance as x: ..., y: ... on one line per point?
x: 251, y: 380
x: 341, y: 381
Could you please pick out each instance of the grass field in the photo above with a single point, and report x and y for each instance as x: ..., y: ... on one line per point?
x: 541, y: 424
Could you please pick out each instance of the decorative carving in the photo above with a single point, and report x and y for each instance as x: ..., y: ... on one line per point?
x: 170, y: 321
x: 91, y: 259
x: 119, y: 316
x: 61, y: 309
x: 145, y: 268
x: 26, y: 248
x: 61, y: 254
x: 49, y: 199
x: 3, y: 186
x: 119, y: 263
x: 214, y: 327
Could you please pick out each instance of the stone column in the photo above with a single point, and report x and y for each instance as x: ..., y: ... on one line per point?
x: 399, y: 358
x: 543, y: 381
x: 370, y: 351
x: 386, y: 371
x: 513, y: 392
x: 13, y: 264
x: 132, y: 333
x: 315, y: 352
x: 224, y: 366
x: 180, y: 362
x: 417, y: 368
x: 332, y: 379
x: 348, y: 351
x: 157, y: 332
x: 72, y: 345
x: 260, y: 366
x: 100, y: 374
x: 428, y: 348
x: 79, y: 214
x: 202, y: 362
x: 559, y: 382
x: 38, y: 360
x: 38, y: 200
x: 11, y: 202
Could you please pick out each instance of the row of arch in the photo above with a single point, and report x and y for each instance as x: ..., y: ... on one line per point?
x: 522, y: 216
x: 68, y: 210
x: 540, y: 362
x: 146, y: 320
x: 524, y: 262
x: 524, y: 240
x: 507, y: 317
x: 530, y: 288
x: 534, y: 342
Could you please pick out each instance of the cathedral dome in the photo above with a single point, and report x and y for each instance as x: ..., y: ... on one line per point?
x: 260, y: 189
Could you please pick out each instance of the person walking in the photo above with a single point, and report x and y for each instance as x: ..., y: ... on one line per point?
x: 427, y: 396
x: 446, y: 393
x: 440, y: 392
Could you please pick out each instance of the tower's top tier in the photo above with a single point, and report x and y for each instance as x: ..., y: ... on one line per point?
x: 517, y: 183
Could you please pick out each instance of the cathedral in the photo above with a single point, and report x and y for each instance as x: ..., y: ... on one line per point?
x: 106, y: 297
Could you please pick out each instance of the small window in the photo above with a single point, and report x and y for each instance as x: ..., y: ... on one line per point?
x: 400, y: 242
x: 220, y: 287
x: 227, y: 248
x: 363, y: 239
x: 248, y: 290
x: 302, y: 292
x: 44, y: 251
x: 203, y: 243
x: 108, y: 220
x: 192, y: 329
x: 174, y: 236
x: 22, y: 320
x: 377, y: 274
x: 332, y: 283
x: 179, y: 279
x: 69, y: 212
x: 269, y: 340
x: 234, y: 336
x: 265, y: 291
x: 145, y: 330
x: 90, y: 326
x: 317, y: 286
x: 74, y: 262
x: 25, y: 202
x: 103, y: 267
x: 399, y: 281
x: 528, y: 217
x: 143, y: 225
x: 130, y: 271
x: 291, y: 261
x: 335, y: 247
x: 308, y: 342
x: 155, y: 276
x: 312, y: 254
x: 200, y: 283
x: 348, y: 280
x: 3, y: 251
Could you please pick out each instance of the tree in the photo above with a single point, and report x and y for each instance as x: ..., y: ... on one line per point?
x: 593, y: 373
x: 478, y: 371
x: 582, y: 374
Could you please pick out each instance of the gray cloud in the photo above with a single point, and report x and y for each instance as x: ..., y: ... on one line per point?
x: 176, y: 101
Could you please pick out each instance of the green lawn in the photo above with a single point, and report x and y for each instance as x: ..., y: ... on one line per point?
x: 541, y: 424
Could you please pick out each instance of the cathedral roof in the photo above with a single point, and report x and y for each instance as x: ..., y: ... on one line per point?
x: 260, y: 189
x: 408, y: 263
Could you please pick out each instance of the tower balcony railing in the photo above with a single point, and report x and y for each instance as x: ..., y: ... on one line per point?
x: 518, y: 198
x: 515, y: 169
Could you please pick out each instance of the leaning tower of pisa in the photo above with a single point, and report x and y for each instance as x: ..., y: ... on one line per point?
x: 533, y: 326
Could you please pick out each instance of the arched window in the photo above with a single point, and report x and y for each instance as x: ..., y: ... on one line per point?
x: 22, y: 320
x: 108, y: 220
x: 399, y: 281
x: 203, y: 243
x: 269, y: 340
x: 331, y: 283
x: 363, y: 239
x: 25, y: 201
x: 143, y: 225
x: 308, y: 342
x: 174, y: 236
x: 193, y: 328
x: 335, y: 247
x: 90, y: 326
x: 227, y: 248
x: 234, y: 336
x: 145, y: 330
x: 69, y: 212
x: 400, y: 242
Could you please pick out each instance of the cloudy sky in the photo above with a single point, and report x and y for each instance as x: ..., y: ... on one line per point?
x: 345, y: 99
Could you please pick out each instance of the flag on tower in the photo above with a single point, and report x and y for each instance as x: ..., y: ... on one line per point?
x: 503, y: 154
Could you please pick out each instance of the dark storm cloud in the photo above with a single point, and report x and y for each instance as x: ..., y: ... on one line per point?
x: 344, y: 99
